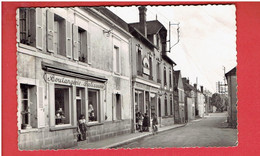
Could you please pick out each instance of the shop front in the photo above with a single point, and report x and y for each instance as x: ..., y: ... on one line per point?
x: 72, y: 95
x: 145, y: 101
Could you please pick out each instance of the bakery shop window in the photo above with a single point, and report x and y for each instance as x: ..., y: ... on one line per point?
x: 62, y: 104
x: 93, y: 105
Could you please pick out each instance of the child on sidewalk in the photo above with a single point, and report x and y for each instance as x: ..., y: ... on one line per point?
x: 82, y: 128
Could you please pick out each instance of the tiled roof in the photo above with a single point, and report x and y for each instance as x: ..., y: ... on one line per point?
x: 153, y: 27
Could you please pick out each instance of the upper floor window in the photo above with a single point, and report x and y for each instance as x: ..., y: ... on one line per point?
x: 83, y: 45
x: 151, y: 67
x: 164, y: 75
x: 139, y: 62
x: 170, y: 77
x: 59, y: 35
x: 30, y: 27
x: 116, y: 59
x: 158, y: 72
x: 59, y: 38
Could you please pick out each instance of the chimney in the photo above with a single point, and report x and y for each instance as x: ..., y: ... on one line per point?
x: 201, y: 89
x: 188, y: 81
x: 142, y: 20
x: 195, y: 85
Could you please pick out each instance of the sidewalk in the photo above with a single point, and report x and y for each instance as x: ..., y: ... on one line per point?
x: 123, y: 139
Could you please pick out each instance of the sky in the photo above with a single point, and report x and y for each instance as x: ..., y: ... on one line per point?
x: 207, y: 41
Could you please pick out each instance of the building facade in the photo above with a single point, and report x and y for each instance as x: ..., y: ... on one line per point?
x: 201, y: 103
x: 71, y: 63
x: 232, y: 96
x: 189, y: 99
x: 179, y: 107
x: 208, y: 107
x: 151, y: 72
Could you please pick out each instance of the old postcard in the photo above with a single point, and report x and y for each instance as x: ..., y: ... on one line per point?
x: 126, y: 77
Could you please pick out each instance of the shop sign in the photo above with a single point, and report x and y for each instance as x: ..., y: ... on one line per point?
x: 139, y: 85
x: 72, y: 81
x: 149, y: 88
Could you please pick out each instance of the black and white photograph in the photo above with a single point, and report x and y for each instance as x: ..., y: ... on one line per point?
x: 112, y: 77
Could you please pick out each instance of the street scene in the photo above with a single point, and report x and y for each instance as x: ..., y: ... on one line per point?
x: 211, y: 131
x: 97, y: 77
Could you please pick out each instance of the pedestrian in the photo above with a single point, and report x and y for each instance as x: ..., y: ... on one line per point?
x: 140, y: 121
x: 146, y: 123
x: 137, y: 120
x: 82, y: 128
x: 154, y: 124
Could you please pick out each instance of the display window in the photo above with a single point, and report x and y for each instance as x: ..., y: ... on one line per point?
x: 62, y: 104
x: 93, y: 105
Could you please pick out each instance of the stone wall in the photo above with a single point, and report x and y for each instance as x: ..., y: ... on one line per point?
x: 45, y: 139
x: 167, y: 121
x: 108, y: 129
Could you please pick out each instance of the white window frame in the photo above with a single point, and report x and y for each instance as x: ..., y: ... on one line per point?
x: 116, y: 59
x: 99, y: 107
x: 38, y: 25
x: 30, y: 82
x: 70, y: 107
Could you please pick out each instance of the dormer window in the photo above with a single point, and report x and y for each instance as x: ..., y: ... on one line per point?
x: 157, y: 40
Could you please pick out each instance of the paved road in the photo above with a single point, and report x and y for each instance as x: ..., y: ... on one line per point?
x: 210, y: 131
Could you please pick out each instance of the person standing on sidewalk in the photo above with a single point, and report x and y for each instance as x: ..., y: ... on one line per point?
x: 146, y: 123
x: 154, y: 124
x: 82, y: 128
x: 140, y: 121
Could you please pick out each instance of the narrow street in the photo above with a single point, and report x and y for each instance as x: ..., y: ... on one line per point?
x: 210, y: 131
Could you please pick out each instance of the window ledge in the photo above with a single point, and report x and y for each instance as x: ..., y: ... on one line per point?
x: 83, y: 63
x: 62, y: 57
x: 28, y: 130
x: 21, y: 45
x: 94, y: 124
x: 62, y: 128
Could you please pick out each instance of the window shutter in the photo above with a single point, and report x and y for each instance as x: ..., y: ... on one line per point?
x: 89, y: 52
x: 68, y: 40
x: 75, y: 42
x: 18, y: 25
x: 39, y: 28
x: 50, y: 31
x: 40, y: 108
x: 113, y: 106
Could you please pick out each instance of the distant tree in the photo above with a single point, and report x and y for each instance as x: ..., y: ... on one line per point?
x: 219, y: 101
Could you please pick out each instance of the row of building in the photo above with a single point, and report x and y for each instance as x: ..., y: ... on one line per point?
x: 82, y: 60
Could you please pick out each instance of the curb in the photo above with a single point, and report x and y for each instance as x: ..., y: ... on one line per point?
x: 139, y: 137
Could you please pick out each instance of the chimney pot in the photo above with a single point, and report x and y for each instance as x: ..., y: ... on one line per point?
x: 142, y: 20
